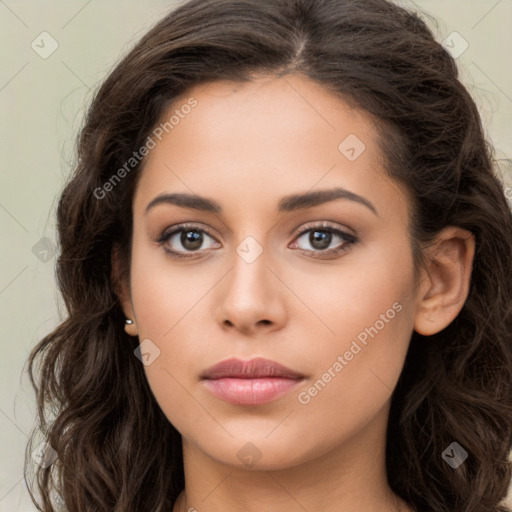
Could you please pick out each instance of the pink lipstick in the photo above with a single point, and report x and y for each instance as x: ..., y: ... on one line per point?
x: 253, y: 382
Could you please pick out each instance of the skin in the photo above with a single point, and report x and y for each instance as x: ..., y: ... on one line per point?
x: 246, y: 146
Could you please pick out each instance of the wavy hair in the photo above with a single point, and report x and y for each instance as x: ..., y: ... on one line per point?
x: 117, y: 452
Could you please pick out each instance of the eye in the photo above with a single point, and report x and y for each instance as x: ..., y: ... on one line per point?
x: 190, y: 237
x: 321, y: 238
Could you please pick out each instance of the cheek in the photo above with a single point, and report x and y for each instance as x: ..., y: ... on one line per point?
x: 355, y: 376
x: 364, y: 299
x: 370, y: 318
x: 164, y: 299
x: 163, y: 292
x: 172, y: 392
x: 365, y: 359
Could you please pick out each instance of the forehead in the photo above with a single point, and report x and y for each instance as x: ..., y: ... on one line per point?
x: 265, y: 139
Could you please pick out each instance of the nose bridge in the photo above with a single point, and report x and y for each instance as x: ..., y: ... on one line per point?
x: 250, y: 273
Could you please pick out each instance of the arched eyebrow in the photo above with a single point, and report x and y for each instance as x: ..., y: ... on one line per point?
x: 317, y: 197
x: 288, y: 203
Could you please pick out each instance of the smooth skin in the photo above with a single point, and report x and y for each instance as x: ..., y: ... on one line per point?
x: 246, y: 146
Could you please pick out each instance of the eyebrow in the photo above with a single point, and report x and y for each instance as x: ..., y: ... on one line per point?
x: 286, y: 204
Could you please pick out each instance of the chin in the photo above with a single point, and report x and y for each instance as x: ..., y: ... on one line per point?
x: 256, y: 455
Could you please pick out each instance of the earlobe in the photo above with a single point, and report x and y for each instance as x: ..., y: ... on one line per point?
x: 120, y: 284
x: 448, y: 277
x: 130, y: 327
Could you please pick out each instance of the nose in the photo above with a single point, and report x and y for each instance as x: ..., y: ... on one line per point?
x: 252, y: 297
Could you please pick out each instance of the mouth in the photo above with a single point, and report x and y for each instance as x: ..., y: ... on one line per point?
x: 253, y: 382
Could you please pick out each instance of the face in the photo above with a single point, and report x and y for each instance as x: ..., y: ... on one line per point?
x: 322, y: 285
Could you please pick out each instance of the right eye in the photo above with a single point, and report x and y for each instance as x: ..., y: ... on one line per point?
x: 190, y: 237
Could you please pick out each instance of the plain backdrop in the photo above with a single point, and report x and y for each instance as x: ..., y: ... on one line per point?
x: 42, y: 101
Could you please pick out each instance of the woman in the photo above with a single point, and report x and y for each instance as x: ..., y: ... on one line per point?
x: 291, y: 209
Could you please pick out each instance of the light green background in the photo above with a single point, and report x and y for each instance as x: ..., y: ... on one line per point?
x: 42, y: 102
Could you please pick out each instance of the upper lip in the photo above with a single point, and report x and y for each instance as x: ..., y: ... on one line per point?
x: 252, y: 369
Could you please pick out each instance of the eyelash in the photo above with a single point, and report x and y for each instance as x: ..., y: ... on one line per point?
x: 349, y: 240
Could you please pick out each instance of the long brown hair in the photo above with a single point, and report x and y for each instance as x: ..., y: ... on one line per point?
x: 116, y: 449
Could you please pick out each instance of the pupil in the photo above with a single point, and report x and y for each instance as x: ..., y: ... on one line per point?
x: 191, y: 240
x: 320, y: 239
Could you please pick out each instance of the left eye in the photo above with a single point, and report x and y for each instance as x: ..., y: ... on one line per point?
x: 321, y: 238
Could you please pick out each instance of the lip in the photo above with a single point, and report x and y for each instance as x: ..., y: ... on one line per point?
x: 252, y: 382
x: 252, y: 369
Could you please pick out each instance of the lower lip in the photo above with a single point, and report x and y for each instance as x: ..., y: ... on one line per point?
x: 250, y: 391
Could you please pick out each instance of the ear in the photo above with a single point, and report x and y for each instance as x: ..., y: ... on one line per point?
x: 120, y: 281
x: 445, y: 280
